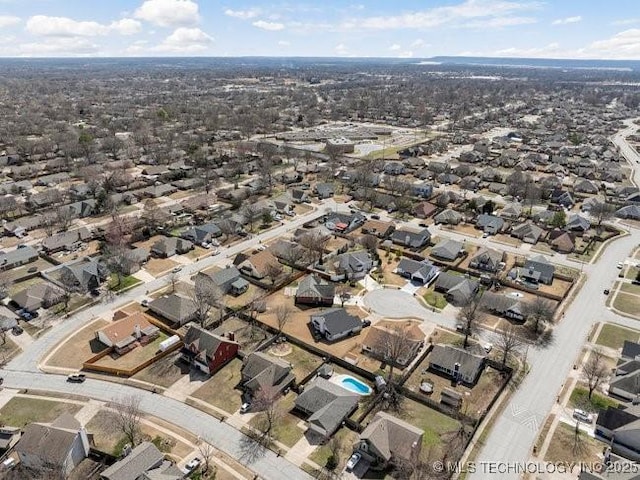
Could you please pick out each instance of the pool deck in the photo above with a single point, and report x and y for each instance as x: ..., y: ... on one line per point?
x: 338, y: 380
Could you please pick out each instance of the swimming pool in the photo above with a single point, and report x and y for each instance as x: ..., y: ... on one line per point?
x: 353, y: 384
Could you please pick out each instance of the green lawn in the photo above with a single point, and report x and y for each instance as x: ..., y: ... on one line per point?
x: 580, y: 399
x: 627, y: 303
x: 303, y: 362
x: 613, y: 336
x: 630, y: 288
x: 20, y: 411
x: 435, y: 299
x: 125, y: 282
x: 431, y: 421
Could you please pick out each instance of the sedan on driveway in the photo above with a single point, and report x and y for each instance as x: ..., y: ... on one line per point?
x: 353, y: 461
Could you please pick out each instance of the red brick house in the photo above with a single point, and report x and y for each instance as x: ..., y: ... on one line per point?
x: 207, y: 351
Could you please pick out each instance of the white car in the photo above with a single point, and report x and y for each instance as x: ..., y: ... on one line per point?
x: 244, y: 408
x: 582, y: 416
x: 353, y: 461
x: 176, y: 269
x: 487, y: 347
x: 193, y: 464
x: 620, y: 265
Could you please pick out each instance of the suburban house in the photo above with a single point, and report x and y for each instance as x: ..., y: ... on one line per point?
x: 39, y: 295
x: 448, y: 217
x: 503, y: 305
x: 9, y: 436
x: 447, y: 250
x: 324, y: 190
x: 258, y: 265
x: 527, y: 232
x: 20, y: 256
x: 262, y: 371
x: 62, y: 444
x: 353, y: 265
x: 380, y: 341
x: 422, y: 189
x: 561, y: 241
x: 490, y: 224
x: 621, y: 429
x: 202, y: 233
x: 538, y: 270
x: 170, y: 246
x: 127, y: 333
x: 144, y: 462
x: 84, y: 275
x: 344, y: 222
x: 631, y: 212
x: 68, y: 241
x: 488, y: 260
x: 378, y: 228
x: 626, y: 381
x: 335, y: 323
x: 511, y: 211
x: 316, y: 291
x: 411, y: 238
x: 327, y: 404
x: 456, y: 363
x: 176, y: 308
x: 457, y: 289
x: 577, y: 223
x: 227, y: 280
x: 387, y: 440
x: 424, y: 210
x: 422, y: 272
x: 206, y: 351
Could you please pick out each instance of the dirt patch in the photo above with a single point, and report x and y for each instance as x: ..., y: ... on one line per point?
x: 79, y: 348
x: 506, y: 240
x: 159, y: 266
x: 558, y: 287
x: 165, y: 372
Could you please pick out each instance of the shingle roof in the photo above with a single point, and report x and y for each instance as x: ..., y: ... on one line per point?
x: 391, y: 437
x: 205, y: 342
x: 337, y: 320
x: 261, y: 370
x: 142, y: 458
x: 51, y: 444
x: 447, y: 249
x: 447, y: 356
x: 314, y: 286
x: 174, y: 307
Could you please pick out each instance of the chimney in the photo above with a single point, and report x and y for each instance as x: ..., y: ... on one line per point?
x: 231, y: 336
x: 137, y: 333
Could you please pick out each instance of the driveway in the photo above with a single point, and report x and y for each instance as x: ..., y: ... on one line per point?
x: 392, y: 303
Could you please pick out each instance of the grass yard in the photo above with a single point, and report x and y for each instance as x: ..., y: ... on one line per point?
x: 346, y: 438
x: 78, y: 348
x: 286, y: 429
x: 627, y: 303
x: 435, y: 299
x: 158, y: 266
x: 580, y: 399
x: 165, y: 372
x: 630, y: 288
x: 242, y: 300
x: 20, y: 411
x: 613, y: 336
x: 8, y: 349
x: 125, y: 282
x: 135, y: 357
x: 220, y: 391
x: 567, y: 446
x: 303, y: 362
x: 14, y: 288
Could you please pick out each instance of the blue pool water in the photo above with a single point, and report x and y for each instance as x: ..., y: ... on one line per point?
x: 355, y: 385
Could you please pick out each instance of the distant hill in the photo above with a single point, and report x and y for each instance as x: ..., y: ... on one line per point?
x: 539, y: 63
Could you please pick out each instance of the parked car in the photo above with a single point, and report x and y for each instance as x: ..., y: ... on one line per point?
x: 606, y: 291
x: 459, y: 327
x: 76, y: 378
x: 244, y: 408
x: 487, y: 347
x: 375, y: 217
x: 17, y: 330
x: 144, y: 303
x: 353, y: 461
x: 25, y: 314
x: 366, y: 323
x: 582, y: 416
x: 176, y: 269
x: 619, y: 265
x: 193, y: 464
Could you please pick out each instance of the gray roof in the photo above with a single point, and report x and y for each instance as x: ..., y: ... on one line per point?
x: 142, y: 458
x: 539, y: 263
x: 204, y: 342
x: 261, y: 370
x: 448, y: 216
x: 327, y: 403
x: 391, y: 437
x: 411, y: 238
x: 174, y: 307
x: 488, y: 258
x: 315, y: 286
x: 423, y: 269
x: 223, y: 278
x: 447, y: 249
x: 47, y: 442
x: 18, y: 256
x: 33, y: 297
x: 353, y: 261
x: 337, y: 320
x: 447, y: 356
x: 527, y: 230
x: 490, y: 221
x: 65, y: 239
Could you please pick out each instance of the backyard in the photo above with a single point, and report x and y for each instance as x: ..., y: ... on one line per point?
x: 303, y: 362
x: 20, y: 411
x: 135, y: 357
x: 286, y: 430
x: 220, y: 389
x: 165, y: 372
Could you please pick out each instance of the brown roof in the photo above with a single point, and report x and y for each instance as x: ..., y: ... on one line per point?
x: 391, y: 437
x: 121, y: 329
x: 377, y: 225
x: 260, y: 261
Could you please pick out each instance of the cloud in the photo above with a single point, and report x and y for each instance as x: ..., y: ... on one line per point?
x: 67, y: 27
x: 284, y: 43
x: 552, y: 49
x: 341, y: 49
x: 243, y: 14
x: 493, y: 12
x: 418, y: 42
x: 623, y: 45
x: 568, y: 20
x: 395, y: 47
x: 8, y: 21
x: 62, y: 46
x: 270, y: 26
x: 626, y: 21
x: 169, y: 13
x: 185, y: 40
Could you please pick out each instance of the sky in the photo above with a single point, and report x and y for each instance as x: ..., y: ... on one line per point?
x: 592, y: 29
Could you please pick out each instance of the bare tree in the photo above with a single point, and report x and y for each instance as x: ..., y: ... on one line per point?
x: 266, y: 402
x: 151, y: 215
x: 601, y: 211
x: 205, y: 296
x: 316, y: 243
x: 273, y: 271
x: 595, y: 370
x: 370, y: 242
x: 251, y: 211
x: 128, y: 416
x: 208, y: 453
x: 394, y: 345
x: 283, y: 315
x: 174, y: 278
x: 508, y: 342
x: 343, y: 292
x: 538, y: 312
x: 69, y: 284
x: 469, y: 316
